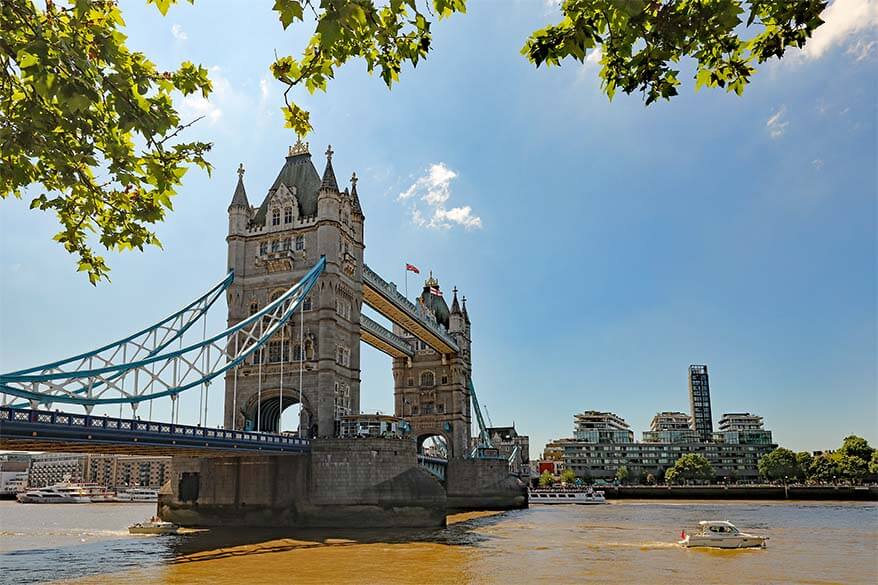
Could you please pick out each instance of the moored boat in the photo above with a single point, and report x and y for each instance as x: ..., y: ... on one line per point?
x: 565, y: 495
x: 60, y: 493
x: 137, y: 495
x: 721, y: 534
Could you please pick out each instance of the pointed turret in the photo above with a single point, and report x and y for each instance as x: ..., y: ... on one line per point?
x: 329, y: 181
x: 354, y: 197
x: 455, y: 306
x: 456, y: 323
x: 465, y: 314
x: 239, y: 199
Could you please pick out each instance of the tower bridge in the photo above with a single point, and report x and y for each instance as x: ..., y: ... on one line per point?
x: 295, y: 292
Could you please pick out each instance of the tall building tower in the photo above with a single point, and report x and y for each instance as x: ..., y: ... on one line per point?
x: 699, y: 402
x: 315, y: 359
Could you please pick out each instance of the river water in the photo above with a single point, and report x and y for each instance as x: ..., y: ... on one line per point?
x: 622, y: 542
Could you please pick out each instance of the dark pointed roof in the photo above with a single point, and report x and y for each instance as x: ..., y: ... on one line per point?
x: 299, y: 176
x: 354, y: 196
x: 434, y: 303
x: 455, y: 306
x: 465, y: 314
x: 239, y: 199
x: 329, y: 181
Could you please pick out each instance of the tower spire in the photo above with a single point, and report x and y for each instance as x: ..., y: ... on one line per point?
x: 455, y: 306
x: 329, y: 181
x: 355, y: 199
x: 239, y: 199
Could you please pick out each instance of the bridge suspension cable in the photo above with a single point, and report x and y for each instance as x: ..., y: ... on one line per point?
x: 152, y: 372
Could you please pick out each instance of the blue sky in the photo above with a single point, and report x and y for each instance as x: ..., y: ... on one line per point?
x: 603, y: 246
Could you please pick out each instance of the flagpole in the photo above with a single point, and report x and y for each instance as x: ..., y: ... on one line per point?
x: 406, y: 282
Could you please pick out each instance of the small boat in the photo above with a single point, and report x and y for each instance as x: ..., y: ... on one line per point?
x: 137, y: 494
x: 565, y: 495
x: 154, y: 526
x: 721, y: 534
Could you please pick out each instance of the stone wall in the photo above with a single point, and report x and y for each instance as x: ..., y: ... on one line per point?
x: 483, y: 484
x: 349, y: 483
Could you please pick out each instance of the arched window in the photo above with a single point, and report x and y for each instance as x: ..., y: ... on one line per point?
x: 427, y: 379
x: 275, y: 295
x: 254, y: 307
x: 297, y: 353
x: 263, y: 248
x: 288, y: 215
x: 306, y: 305
x: 300, y: 243
x: 274, y: 351
x: 287, y: 244
x: 275, y: 245
x: 275, y: 217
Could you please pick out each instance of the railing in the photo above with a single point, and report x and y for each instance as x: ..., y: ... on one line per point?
x: 143, y: 428
x: 383, y: 333
x: 434, y: 465
x: 424, y: 318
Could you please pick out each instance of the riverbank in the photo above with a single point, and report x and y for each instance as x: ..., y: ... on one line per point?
x: 743, y: 492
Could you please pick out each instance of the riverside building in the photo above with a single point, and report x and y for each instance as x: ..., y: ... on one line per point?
x: 606, y: 446
x: 699, y: 401
x: 110, y: 471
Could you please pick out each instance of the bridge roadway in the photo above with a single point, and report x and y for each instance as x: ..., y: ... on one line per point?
x: 40, y: 430
x: 384, y: 298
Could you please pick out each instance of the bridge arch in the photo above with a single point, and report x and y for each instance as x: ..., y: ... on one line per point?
x: 265, y: 415
x: 444, y: 442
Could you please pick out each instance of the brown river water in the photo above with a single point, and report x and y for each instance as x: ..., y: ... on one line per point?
x: 622, y: 542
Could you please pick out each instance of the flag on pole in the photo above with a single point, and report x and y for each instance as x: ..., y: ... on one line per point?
x: 435, y: 291
x: 412, y: 268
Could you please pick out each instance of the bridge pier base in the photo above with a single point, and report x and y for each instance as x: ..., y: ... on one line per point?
x: 483, y: 484
x: 342, y: 483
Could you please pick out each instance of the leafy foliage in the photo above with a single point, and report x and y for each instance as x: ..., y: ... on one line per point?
x: 873, y: 463
x: 568, y: 476
x: 622, y: 474
x: 642, y: 41
x: 858, y: 447
x: 690, y: 467
x: 546, y: 479
x: 76, y: 102
x: 779, y: 464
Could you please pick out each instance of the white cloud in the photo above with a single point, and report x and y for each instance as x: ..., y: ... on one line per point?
x: 594, y: 57
x: 818, y: 163
x: 843, y: 19
x: 263, y: 87
x: 861, y: 49
x: 195, y: 105
x: 428, y: 196
x: 776, y: 124
x: 179, y: 33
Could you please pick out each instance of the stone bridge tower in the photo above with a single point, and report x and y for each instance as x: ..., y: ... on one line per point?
x: 270, y: 247
x: 431, y: 390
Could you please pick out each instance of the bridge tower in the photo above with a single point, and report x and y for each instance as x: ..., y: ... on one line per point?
x: 315, y: 359
x: 431, y: 389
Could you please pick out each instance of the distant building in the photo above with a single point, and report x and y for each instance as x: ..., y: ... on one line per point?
x: 699, y: 402
x: 742, y: 428
x: 115, y: 471
x: 593, y: 426
x: 505, y: 440
x: 734, y: 453
x: 670, y: 427
x: 13, y: 472
x: 51, y: 468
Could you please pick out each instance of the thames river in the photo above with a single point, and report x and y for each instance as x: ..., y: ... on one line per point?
x: 622, y: 542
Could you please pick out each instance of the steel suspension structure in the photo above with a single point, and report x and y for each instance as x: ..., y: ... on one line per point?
x: 144, y: 367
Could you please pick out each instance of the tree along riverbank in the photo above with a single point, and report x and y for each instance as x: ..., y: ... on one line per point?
x: 743, y: 492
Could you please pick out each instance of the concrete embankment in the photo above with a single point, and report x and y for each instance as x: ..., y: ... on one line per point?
x: 841, y: 493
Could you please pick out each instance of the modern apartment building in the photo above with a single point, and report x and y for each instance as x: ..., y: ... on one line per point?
x: 111, y: 471
x: 699, y: 402
x: 670, y: 427
x: 742, y: 428
x: 593, y: 426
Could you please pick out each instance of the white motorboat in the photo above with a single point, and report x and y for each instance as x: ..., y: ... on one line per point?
x: 563, y: 495
x: 154, y: 526
x: 721, y: 534
x: 60, y: 493
x: 137, y: 495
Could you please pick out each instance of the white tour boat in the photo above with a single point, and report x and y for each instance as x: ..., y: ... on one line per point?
x: 137, y: 495
x: 60, y: 493
x: 154, y: 526
x: 721, y: 534
x: 562, y: 495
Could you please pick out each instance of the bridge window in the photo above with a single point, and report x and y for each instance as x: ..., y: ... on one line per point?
x: 444, y: 379
x: 274, y: 351
x: 287, y: 244
x: 263, y: 248
x: 275, y: 217
x: 440, y: 408
x: 411, y: 382
x: 428, y: 380
x: 275, y: 245
x: 288, y: 215
x: 428, y: 408
x: 254, y: 308
x: 257, y: 356
x: 297, y: 353
x: 306, y: 304
x: 300, y: 243
x: 414, y: 409
x: 343, y: 308
x: 343, y: 355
